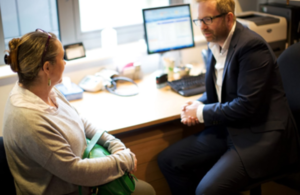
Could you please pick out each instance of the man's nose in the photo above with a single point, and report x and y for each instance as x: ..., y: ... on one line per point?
x: 203, y: 25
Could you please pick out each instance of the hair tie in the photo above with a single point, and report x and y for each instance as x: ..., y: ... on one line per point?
x: 6, y: 60
x: 11, y: 59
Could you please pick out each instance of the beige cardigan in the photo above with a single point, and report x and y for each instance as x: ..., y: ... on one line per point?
x: 44, y: 150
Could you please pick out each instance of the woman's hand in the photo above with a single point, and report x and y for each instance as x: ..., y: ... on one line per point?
x: 134, y: 159
x: 135, y: 164
x: 118, y: 151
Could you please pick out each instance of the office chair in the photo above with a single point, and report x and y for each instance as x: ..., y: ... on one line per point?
x: 289, y: 68
x: 6, y: 179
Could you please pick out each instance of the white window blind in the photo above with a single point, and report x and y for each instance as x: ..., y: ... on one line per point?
x: 99, y: 14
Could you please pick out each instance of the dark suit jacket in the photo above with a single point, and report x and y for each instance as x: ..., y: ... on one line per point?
x: 254, y: 107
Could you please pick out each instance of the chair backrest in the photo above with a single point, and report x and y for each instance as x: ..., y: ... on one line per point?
x: 6, y: 179
x: 289, y: 67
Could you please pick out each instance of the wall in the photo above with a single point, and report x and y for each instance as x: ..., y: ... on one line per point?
x: 245, y: 5
x: 296, y: 2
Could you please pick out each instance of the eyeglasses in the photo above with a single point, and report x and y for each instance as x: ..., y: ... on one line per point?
x: 47, y: 43
x: 207, y: 20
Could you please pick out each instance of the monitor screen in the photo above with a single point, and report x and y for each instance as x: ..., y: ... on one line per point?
x: 168, y: 28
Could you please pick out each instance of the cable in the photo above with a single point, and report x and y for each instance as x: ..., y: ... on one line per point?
x: 113, y: 86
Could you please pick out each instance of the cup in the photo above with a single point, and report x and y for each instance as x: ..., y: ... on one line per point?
x: 169, y: 65
x: 184, y: 71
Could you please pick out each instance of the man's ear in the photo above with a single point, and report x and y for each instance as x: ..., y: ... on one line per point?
x: 230, y: 17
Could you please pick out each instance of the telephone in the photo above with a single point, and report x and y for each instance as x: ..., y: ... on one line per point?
x: 98, y: 81
x: 105, y: 79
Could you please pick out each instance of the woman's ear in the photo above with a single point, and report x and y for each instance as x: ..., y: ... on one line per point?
x: 47, y: 67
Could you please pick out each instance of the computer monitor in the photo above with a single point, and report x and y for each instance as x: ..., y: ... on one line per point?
x: 168, y: 28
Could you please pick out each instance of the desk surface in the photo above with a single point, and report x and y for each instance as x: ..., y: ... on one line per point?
x: 120, y: 114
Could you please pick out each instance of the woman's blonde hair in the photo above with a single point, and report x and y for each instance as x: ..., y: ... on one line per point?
x: 223, y: 6
x: 25, y: 55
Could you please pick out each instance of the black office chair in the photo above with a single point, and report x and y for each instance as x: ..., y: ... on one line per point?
x: 6, y: 180
x: 289, y: 67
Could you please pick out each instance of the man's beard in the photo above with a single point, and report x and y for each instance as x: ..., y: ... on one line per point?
x: 212, y: 38
x: 217, y: 36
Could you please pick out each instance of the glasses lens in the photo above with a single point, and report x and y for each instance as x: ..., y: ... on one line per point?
x: 207, y: 20
x: 196, y: 22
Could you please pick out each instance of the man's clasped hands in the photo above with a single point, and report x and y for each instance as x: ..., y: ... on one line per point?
x: 189, y: 113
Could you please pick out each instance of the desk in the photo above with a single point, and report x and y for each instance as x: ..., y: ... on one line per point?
x: 121, y: 114
x: 147, y: 123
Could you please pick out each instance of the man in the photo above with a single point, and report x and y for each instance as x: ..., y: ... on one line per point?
x: 250, y: 132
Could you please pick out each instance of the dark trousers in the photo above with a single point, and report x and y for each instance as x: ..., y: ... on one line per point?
x: 206, y: 163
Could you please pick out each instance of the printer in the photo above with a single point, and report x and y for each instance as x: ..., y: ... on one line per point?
x: 271, y: 27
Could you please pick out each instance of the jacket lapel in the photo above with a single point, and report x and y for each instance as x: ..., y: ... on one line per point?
x: 232, y: 46
x: 231, y: 51
x: 210, y: 79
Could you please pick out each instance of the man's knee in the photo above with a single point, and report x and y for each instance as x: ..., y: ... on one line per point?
x: 215, y: 188
x: 207, y: 190
x: 162, y: 159
x: 167, y: 161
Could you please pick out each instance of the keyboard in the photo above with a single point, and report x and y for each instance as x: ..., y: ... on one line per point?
x: 189, y: 86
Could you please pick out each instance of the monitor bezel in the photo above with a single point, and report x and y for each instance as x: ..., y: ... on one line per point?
x: 163, y: 7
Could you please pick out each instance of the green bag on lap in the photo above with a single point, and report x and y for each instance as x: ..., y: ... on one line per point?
x: 124, y: 185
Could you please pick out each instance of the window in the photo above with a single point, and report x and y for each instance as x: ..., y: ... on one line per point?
x: 20, y: 17
x: 98, y: 14
x: 125, y: 16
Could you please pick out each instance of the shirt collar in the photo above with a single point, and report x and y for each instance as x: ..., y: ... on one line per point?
x: 21, y: 97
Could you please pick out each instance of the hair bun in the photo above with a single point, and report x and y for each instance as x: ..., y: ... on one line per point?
x: 13, y: 44
x: 12, y: 58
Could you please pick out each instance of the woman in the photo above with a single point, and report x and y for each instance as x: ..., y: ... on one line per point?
x: 44, y: 136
